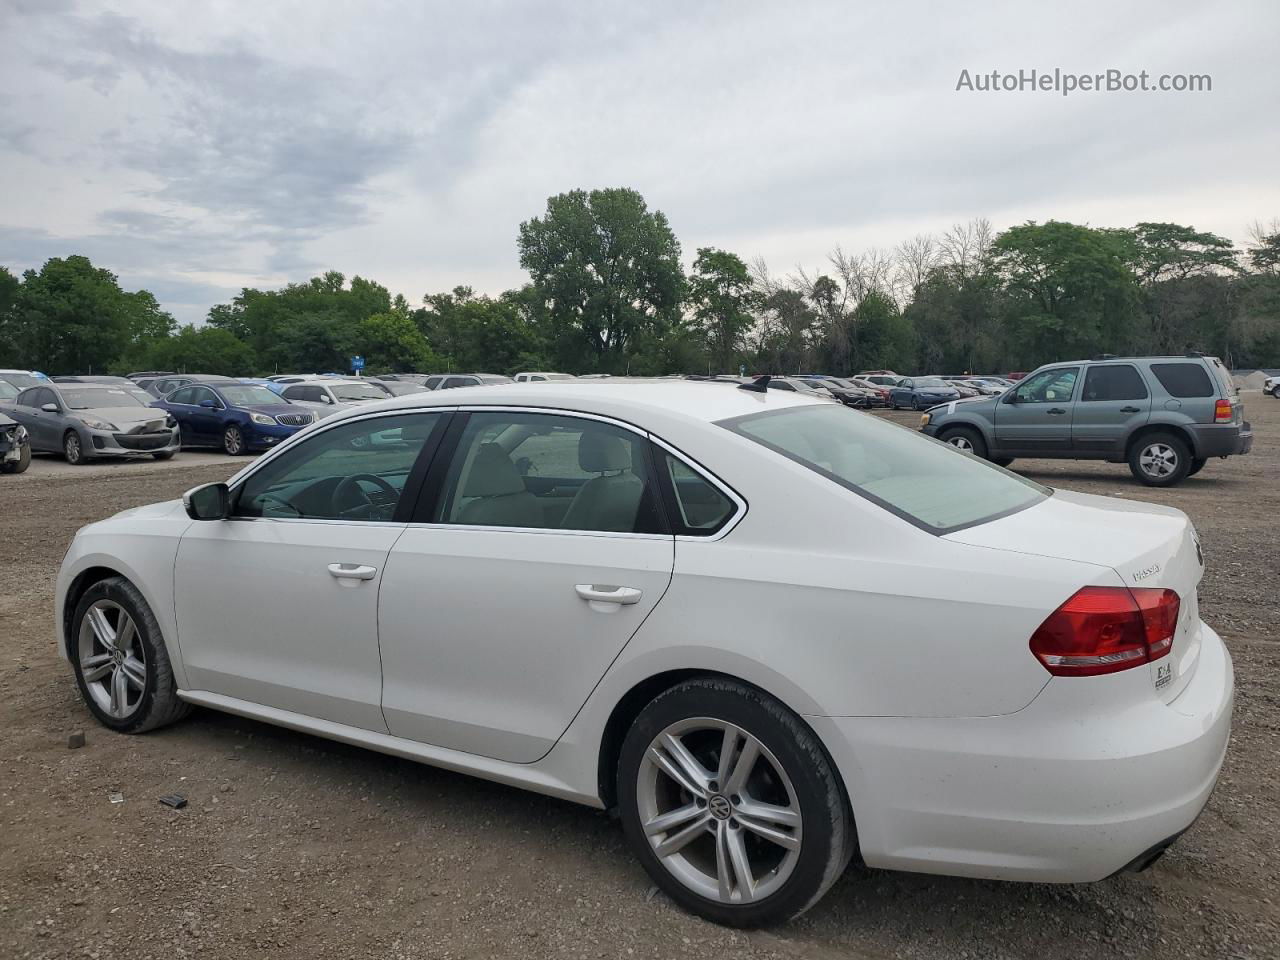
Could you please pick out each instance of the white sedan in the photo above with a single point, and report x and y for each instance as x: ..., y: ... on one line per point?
x: 772, y: 632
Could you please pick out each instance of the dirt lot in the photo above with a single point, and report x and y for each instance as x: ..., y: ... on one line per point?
x: 297, y: 847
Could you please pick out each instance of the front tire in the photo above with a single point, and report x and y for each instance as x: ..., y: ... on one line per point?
x: 731, y: 804
x: 121, y: 665
x: 20, y: 465
x: 1160, y: 460
x: 165, y: 455
x: 966, y: 440
x: 233, y: 441
x: 1197, y: 465
x: 73, y: 448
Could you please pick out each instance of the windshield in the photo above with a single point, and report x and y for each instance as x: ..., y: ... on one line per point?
x: 22, y: 380
x: 249, y: 396
x: 926, y: 482
x: 7, y: 390
x: 930, y: 382
x: 98, y: 398
x: 357, y: 391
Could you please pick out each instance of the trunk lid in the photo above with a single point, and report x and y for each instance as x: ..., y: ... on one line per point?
x: 1146, y: 544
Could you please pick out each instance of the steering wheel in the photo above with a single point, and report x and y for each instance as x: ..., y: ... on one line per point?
x: 349, y: 496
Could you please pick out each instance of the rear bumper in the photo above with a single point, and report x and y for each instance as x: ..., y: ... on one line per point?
x: 1047, y: 794
x: 1223, y: 440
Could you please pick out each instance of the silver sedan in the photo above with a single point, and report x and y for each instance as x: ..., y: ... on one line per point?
x: 82, y: 421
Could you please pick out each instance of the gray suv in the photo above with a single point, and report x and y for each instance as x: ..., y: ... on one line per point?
x: 1165, y: 416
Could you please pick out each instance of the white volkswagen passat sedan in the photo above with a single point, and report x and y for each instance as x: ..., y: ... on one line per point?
x: 771, y: 631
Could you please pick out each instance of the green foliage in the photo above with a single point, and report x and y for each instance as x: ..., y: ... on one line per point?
x: 608, y: 272
x: 722, y: 297
x: 197, y: 350
x: 392, y: 342
x: 481, y: 334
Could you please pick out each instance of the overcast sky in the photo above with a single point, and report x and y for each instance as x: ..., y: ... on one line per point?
x: 198, y: 148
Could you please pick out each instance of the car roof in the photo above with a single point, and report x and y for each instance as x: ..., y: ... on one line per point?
x: 622, y: 398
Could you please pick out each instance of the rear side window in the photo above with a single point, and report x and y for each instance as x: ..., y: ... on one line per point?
x: 701, y: 507
x: 1184, y: 380
x: 1116, y: 382
x: 927, y: 483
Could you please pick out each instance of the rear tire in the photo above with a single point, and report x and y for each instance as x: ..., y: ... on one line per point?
x: 1159, y: 459
x: 73, y: 448
x: 1197, y: 465
x: 1001, y: 461
x: 121, y: 665
x: 966, y: 440
x: 20, y: 465
x: 727, y: 869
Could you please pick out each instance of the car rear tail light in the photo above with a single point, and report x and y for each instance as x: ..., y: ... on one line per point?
x: 1222, y: 412
x: 1107, y: 629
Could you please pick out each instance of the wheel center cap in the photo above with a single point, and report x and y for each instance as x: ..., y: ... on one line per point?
x: 720, y: 806
x: 117, y: 656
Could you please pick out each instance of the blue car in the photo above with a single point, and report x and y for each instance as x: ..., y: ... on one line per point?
x: 920, y: 393
x: 238, y: 417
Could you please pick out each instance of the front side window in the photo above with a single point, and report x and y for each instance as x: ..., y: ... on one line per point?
x: 182, y: 395
x: 1114, y: 382
x: 549, y: 472
x: 921, y: 480
x: 1048, y: 386
x: 200, y: 394
x: 355, y: 471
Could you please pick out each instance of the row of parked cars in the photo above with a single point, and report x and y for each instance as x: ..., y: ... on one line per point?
x: 156, y: 413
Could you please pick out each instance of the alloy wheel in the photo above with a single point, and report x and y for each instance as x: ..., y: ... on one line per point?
x: 1158, y: 460
x: 719, y: 811
x: 232, y: 441
x: 113, y: 661
x: 961, y: 442
x: 71, y: 447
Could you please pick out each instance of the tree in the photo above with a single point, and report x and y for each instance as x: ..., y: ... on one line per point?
x: 607, y: 269
x: 482, y: 333
x: 200, y: 350
x: 1070, y: 290
x: 392, y: 342
x: 722, y: 296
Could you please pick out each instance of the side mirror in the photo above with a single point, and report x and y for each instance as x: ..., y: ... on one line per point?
x: 326, y: 398
x: 49, y: 407
x: 1011, y: 396
x: 209, y: 403
x: 212, y: 501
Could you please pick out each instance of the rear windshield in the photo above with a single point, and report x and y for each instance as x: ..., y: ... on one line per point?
x: 1184, y: 380
x: 926, y: 482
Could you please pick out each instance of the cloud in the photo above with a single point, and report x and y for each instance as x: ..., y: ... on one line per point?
x: 206, y: 148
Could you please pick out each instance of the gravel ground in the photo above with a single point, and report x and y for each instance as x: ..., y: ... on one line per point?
x: 293, y: 846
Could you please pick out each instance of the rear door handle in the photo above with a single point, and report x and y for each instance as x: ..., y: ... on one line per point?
x: 352, y: 571
x: 598, y: 593
x: 1130, y: 410
x: 1056, y: 412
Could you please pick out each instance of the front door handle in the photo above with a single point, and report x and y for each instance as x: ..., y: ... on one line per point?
x: 598, y: 593
x: 1055, y: 412
x: 1130, y: 410
x: 352, y: 571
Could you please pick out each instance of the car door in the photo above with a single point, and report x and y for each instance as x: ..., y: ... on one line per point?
x: 540, y: 552
x: 43, y: 427
x: 1035, y: 416
x: 206, y: 421
x: 179, y: 405
x: 1114, y: 401
x: 277, y: 605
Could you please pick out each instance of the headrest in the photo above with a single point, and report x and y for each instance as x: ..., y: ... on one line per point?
x: 492, y: 474
x: 599, y: 452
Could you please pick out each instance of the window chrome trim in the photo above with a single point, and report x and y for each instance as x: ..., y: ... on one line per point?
x: 739, y: 502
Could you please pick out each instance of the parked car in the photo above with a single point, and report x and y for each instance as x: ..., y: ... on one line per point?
x: 238, y: 417
x: 965, y: 388
x: 396, y: 388
x: 796, y: 385
x: 1272, y: 386
x: 470, y: 380
x: 920, y: 393
x: 728, y: 614
x: 15, y: 444
x: 419, y: 378
x: 123, y: 383
x: 150, y: 374
x: 23, y: 378
x: 7, y: 391
x: 880, y: 388
x: 162, y: 385
x: 542, y: 377
x: 1015, y: 376
x: 326, y: 395
x: 84, y: 421
x: 845, y: 391
x: 1165, y: 416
